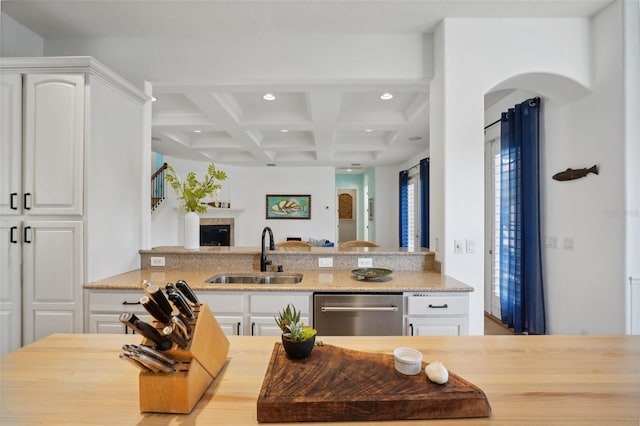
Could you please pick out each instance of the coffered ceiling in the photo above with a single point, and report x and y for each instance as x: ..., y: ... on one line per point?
x: 310, y: 121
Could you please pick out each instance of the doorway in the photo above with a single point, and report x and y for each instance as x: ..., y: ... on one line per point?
x: 347, y: 214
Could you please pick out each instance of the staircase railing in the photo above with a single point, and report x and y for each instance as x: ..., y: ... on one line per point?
x: 157, y: 187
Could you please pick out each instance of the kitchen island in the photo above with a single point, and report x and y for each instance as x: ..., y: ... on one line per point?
x: 78, y: 379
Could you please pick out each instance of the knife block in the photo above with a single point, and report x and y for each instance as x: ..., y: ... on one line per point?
x: 198, y: 365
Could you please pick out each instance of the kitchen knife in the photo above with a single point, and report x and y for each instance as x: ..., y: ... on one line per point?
x: 162, y: 343
x: 145, y: 286
x: 155, y: 311
x: 180, y: 325
x: 148, y: 350
x: 186, y: 290
x: 152, y: 363
x: 174, y: 336
x: 155, y: 292
x: 135, y: 362
x: 180, y: 303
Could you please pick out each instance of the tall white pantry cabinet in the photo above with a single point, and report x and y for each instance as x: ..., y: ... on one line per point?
x: 72, y: 195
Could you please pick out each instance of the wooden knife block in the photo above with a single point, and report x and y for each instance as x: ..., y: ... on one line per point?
x: 199, y: 364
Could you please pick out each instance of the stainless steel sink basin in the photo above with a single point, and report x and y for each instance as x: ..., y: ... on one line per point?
x: 279, y: 278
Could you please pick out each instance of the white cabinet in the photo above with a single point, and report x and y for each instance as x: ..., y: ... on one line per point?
x: 10, y: 286
x: 252, y: 313
x: 265, y: 306
x: 105, y: 306
x: 228, y: 309
x: 66, y: 125
x: 437, y: 314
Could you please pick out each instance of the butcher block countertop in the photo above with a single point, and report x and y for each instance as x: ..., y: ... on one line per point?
x: 78, y: 379
x: 332, y: 280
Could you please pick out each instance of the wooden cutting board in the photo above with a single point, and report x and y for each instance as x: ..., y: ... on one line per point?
x: 337, y: 384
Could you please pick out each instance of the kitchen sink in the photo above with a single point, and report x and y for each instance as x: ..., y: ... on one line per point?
x: 255, y: 279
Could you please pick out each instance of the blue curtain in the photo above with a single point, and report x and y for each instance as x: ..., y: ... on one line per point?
x: 404, y: 206
x: 424, y: 197
x: 521, y: 283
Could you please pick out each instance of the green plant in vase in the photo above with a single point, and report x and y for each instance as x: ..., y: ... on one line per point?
x: 297, y: 339
x: 190, y: 194
x: 192, y: 191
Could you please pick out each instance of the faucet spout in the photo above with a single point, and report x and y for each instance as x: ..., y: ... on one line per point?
x: 263, y: 255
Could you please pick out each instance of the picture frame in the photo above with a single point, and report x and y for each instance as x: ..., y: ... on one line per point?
x: 370, y: 209
x: 288, y: 206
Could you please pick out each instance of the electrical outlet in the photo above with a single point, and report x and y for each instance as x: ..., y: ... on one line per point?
x: 325, y: 262
x: 365, y: 262
x: 157, y: 261
x: 458, y: 246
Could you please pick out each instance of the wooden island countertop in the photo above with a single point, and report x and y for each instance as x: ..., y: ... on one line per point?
x: 78, y: 379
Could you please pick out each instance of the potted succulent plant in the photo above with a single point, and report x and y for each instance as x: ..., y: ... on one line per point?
x: 190, y: 193
x: 297, y: 339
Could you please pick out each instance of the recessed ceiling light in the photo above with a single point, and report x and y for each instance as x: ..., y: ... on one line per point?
x: 368, y: 130
x: 197, y: 131
x: 153, y: 99
x: 386, y: 96
x: 283, y: 131
x: 349, y: 170
x: 269, y: 97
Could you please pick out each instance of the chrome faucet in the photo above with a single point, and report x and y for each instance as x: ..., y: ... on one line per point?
x: 263, y: 257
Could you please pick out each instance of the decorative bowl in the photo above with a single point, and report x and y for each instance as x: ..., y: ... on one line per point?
x: 371, y: 273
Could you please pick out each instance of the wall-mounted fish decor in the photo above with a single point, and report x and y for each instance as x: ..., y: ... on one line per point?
x: 571, y: 174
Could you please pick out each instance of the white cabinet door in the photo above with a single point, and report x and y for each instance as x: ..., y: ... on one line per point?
x: 10, y: 286
x: 231, y: 325
x: 10, y: 144
x: 52, y: 278
x: 266, y: 325
x: 54, y: 130
x: 454, y: 326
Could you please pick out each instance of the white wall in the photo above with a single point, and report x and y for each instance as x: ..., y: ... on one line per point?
x: 246, y: 189
x: 192, y: 60
x: 474, y: 56
x: 18, y: 40
x: 632, y: 154
x: 114, y: 158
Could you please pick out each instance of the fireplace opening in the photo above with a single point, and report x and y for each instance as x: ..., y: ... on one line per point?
x: 215, y: 235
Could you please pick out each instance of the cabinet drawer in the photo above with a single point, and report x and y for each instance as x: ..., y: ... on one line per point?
x: 222, y: 303
x: 274, y: 302
x: 116, y: 301
x: 437, y: 305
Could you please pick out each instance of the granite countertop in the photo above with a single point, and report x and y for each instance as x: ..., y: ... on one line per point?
x: 331, y: 280
x: 208, y: 250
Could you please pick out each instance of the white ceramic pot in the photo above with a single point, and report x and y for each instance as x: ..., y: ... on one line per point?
x: 191, y: 231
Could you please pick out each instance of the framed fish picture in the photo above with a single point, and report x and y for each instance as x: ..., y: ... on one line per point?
x: 282, y: 206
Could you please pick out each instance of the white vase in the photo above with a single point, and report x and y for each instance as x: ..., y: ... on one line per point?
x: 191, y: 231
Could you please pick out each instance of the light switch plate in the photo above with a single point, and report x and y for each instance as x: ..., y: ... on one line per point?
x: 471, y: 246
x: 458, y: 246
x: 365, y: 262
x: 157, y: 260
x: 325, y: 262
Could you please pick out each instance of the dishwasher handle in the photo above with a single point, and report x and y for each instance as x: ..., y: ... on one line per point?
x: 391, y: 308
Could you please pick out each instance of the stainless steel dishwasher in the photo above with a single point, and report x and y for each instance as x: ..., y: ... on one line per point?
x: 358, y: 314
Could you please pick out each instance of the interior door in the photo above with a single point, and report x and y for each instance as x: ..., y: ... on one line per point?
x: 347, y: 214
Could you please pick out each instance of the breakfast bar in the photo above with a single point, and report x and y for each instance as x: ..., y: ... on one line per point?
x: 78, y: 379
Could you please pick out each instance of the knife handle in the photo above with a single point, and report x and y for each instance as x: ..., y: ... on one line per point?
x: 155, y: 311
x: 155, y: 292
x: 162, y: 343
x: 187, y: 291
x: 174, y: 336
x: 181, y: 304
